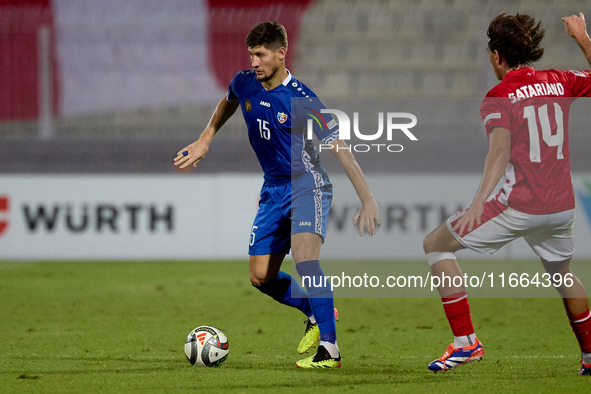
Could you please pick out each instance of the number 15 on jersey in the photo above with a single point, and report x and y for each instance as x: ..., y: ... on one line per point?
x: 264, y: 129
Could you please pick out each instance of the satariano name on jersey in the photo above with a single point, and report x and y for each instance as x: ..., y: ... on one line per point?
x: 537, y: 90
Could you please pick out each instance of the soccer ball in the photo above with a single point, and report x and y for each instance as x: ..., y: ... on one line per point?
x: 206, y: 346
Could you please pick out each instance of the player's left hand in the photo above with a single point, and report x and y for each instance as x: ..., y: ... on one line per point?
x: 472, y: 215
x: 575, y: 26
x: 368, y: 217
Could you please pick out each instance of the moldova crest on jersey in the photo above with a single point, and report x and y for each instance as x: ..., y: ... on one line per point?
x: 281, y: 117
x: 247, y: 106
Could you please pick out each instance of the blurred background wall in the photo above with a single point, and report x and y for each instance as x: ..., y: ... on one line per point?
x: 97, y: 96
x: 120, y: 86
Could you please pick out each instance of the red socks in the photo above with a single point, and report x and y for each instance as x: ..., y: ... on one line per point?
x: 457, y: 310
x: 581, y: 325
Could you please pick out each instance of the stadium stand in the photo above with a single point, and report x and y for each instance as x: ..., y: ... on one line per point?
x: 148, y: 76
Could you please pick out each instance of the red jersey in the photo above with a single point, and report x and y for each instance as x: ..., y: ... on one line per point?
x: 534, y: 106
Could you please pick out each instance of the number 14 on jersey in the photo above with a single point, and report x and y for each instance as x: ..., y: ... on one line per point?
x: 557, y: 139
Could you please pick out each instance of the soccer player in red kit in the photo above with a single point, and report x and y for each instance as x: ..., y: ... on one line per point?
x: 526, y: 121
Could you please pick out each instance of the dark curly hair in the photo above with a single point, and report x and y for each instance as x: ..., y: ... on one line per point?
x: 516, y: 39
x: 271, y: 35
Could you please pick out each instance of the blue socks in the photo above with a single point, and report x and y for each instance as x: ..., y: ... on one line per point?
x: 281, y: 288
x: 318, y: 301
x: 320, y: 297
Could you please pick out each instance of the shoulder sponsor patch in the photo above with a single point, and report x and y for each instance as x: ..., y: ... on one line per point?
x: 496, y: 115
x: 331, y: 125
x: 578, y: 73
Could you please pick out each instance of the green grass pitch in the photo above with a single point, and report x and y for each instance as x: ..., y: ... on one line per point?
x: 121, y: 327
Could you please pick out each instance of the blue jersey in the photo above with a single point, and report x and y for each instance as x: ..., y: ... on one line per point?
x: 277, y: 129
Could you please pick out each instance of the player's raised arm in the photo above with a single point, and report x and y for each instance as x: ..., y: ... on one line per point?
x: 577, y: 29
x: 194, y: 153
x: 368, y: 216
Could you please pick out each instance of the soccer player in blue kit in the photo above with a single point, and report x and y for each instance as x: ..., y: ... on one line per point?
x: 296, y: 193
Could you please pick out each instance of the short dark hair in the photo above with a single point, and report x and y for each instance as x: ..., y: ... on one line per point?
x: 516, y: 39
x: 271, y: 35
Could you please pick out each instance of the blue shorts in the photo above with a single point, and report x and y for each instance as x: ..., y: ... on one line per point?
x: 283, y: 213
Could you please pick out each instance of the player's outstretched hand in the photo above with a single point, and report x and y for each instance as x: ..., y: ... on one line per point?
x: 575, y: 26
x: 191, y: 154
x: 368, y: 217
x: 472, y: 215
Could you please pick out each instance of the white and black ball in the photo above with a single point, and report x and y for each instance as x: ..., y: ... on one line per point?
x: 206, y: 346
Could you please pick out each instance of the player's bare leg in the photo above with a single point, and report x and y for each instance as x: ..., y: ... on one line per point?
x: 441, y: 240
x: 466, y: 348
x: 305, y: 248
x: 576, y: 303
x: 574, y: 297
x: 264, y: 267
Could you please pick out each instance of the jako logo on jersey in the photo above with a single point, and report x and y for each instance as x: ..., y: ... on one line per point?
x: 305, y: 223
x: 4, y: 208
x: 281, y: 117
x: 265, y: 104
x: 586, y: 200
x: 247, y: 105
